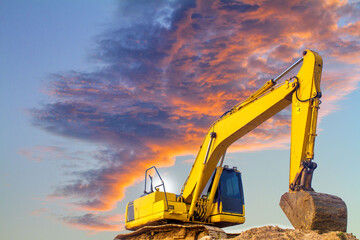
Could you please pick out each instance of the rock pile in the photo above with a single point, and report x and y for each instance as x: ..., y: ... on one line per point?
x: 275, y: 232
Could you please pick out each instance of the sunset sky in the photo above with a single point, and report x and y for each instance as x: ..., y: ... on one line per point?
x: 94, y: 92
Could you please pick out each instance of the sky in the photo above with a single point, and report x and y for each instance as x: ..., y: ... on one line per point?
x: 93, y: 93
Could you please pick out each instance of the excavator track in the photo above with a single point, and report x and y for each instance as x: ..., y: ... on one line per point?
x: 174, y: 231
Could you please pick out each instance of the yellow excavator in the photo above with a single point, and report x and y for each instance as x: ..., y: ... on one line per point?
x: 212, y: 196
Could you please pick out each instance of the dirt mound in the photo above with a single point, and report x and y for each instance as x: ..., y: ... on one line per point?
x: 275, y: 232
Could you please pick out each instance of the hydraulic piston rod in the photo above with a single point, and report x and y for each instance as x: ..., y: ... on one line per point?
x: 289, y: 68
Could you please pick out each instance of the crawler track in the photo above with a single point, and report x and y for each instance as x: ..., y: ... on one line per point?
x: 174, y: 231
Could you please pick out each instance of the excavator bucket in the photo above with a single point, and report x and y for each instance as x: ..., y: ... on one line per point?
x: 314, y: 211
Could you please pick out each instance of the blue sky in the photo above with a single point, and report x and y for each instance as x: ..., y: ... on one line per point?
x: 93, y: 93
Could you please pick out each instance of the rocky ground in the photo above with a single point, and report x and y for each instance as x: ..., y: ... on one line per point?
x: 275, y: 232
x: 173, y: 231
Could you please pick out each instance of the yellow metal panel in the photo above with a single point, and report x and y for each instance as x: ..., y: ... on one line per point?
x: 144, y: 206
x: 161, y: 196
x: 225, y: 218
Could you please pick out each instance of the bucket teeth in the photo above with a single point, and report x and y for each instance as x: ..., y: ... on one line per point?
x: 314, y: 211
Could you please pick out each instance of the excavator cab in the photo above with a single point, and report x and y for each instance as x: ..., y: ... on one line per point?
x: 222, y: 200
x: 230, y: 191
x: 229, y: 195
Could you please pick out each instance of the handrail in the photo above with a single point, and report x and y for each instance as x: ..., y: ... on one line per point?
x: 162, y: 184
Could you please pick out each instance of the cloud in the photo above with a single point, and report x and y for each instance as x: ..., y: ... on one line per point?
x: 237, y: 6
x: 40, y: 211
x: 94, y: 222
x: 41, y: 153
x: 169, y: 69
